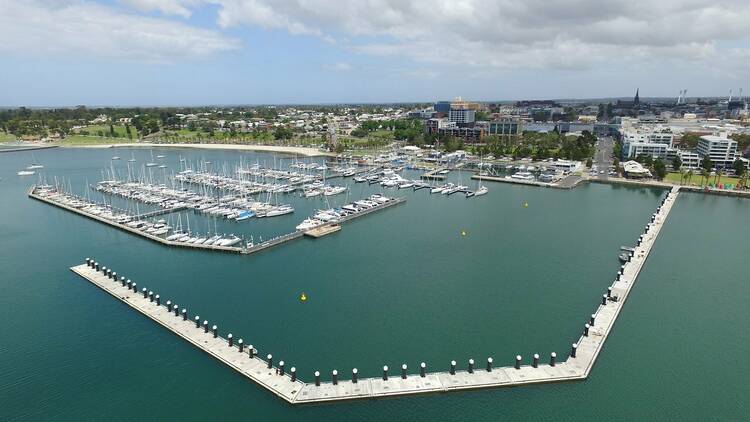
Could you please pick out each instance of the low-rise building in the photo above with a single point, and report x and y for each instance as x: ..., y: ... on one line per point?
x: 634, y: 170
x: 690, y: 160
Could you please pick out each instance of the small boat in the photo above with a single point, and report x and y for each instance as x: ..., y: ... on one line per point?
x: 244, y: 215
x: 333, y: 190
x: 34, y: 166
x: 116, y: 157
x: 26, y: 173
x: 623, y: 257
x: 437, y: 189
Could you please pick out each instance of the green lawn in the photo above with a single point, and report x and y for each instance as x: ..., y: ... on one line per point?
x: 698, y: 180
x: 6, y: 137
x: 120, y: 130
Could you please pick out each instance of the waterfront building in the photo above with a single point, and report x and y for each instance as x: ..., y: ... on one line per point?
x: 690, y: 160
x: 719, y: 148
x: 634, y: 170
x: 633, y: 149
x: 568, y: 166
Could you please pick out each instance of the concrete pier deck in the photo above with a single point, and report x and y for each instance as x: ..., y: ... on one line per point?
x: 573, y: 364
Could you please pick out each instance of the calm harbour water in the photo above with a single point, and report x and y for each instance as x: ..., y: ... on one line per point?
x: 399, y: 286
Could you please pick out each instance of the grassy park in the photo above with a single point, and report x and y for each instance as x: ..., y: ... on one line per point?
x: 698, y: 180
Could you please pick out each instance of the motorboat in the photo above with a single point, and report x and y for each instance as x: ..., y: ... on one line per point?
x: 523, y: 175
x: 244, y: 215
x: 333, y: 190
x: 309, y: 223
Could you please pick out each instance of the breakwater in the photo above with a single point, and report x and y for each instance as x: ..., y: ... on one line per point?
x: 282, y: 380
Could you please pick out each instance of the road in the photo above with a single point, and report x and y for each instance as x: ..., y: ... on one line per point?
x: 603, y: 156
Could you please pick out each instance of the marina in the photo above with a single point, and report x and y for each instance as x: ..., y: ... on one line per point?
x: 404, y: 302
x: 282, y: 379
x: 159, y: 231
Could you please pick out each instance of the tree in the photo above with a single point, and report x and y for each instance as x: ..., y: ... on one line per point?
x: 589, y: 163
x: 739, y: 167
x: 690, y: 140
x: 706, y: 163
x: 676, y: 163
x: 660, y: 168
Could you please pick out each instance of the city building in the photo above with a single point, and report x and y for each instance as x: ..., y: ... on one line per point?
x: 462, y: 116
x: 719, y: 148
x: 633, y: 149
x: 690, y: 160
x: 443, y: 107
x: 469, y: 135
x: 503, y: 127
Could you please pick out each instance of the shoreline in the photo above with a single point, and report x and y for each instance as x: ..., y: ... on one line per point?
x: 303, y: 151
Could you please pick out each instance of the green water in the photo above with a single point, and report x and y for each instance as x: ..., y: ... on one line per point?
x: 399, y: 286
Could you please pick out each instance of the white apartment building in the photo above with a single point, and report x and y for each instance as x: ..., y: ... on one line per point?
x: 690, y: 160
x: 634, y: 149
x: 719, y: 148
x: 656, y: 142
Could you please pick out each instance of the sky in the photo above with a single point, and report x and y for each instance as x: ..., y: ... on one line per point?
x: 224, y: 52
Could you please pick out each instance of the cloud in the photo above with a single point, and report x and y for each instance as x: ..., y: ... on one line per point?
x: 338, y: 67
x: 167, y: 7
x: 60, y: 27
x: 569, y: 34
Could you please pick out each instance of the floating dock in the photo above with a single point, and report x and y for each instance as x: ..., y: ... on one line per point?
x: 282, y: 381
x: 323, y: 230
x: 434, y: 174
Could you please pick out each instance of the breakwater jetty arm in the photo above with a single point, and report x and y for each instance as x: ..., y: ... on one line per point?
x: 281, y: 380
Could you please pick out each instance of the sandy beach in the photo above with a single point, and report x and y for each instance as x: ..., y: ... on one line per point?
x: 303, y: 151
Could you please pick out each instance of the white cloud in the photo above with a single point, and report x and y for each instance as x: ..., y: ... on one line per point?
x: 511, y: 33
x: 167, y: 7
x: 84, y: 28
x: 338, y: 67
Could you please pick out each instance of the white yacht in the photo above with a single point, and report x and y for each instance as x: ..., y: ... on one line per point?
x: 309, y: 223
x: 523, y: 175
x: 280, y: 210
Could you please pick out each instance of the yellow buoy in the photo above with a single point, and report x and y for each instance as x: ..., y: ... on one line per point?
x: 525, y: 204
x: 463, y: 232
x: 303, y: 297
